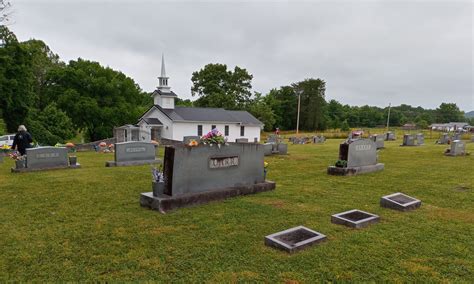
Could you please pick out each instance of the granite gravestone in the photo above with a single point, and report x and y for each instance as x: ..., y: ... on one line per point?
x: 319, y: 139
x: 187, y: 139
x: 457, y: 136
x: 45, y: 158
x: 458, y: 148
x: 275, y: 145
x: 389, y: 136
x: 134, y: 153
x: 420, y: 139
x: 294, y: 239
x: 195, y: 175
x: 408, y: 140
x: 379, y: 141
x: 356, y: 157
x: 444, y: 139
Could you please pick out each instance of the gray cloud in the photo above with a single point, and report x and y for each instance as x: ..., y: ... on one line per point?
x: 374, y: 52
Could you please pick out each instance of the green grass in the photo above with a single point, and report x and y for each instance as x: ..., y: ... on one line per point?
x: 86, y: 224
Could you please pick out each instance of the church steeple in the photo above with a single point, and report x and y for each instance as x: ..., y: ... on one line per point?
x: 163, y: 80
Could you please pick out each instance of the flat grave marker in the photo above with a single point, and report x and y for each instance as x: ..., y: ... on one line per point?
x: 399, y: 201
x: 355, y: 218
x: 294, y: 239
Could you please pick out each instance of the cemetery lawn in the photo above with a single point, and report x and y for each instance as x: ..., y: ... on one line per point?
x: 87, y: 224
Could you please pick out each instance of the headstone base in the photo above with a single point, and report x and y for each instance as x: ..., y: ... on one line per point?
x: 456, y: 155
x: 336, y: 171
x: 165, y: 203
x: 132, y: 163
x: 24, y: 170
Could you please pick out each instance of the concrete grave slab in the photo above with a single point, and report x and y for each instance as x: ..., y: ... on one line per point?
x: 294, y: 239
x: 399, y: 201
x: 355, y: 218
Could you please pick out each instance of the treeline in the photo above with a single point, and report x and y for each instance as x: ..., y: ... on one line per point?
x: 215, y: 86
x: 58, y: 100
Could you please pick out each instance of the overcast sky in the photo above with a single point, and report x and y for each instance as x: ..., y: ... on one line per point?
x: 368, y: 52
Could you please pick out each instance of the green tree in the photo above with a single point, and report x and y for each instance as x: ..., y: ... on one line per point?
x: 50, y: 126
x: 449, y: 112
x: 184, y: 103
x: 284, y: 104
x: 218, y: 87
x: 345, y: 126
x: 313, y: 104
x: 262, y: 111
x: 96, y: 98
x: 16, y: 92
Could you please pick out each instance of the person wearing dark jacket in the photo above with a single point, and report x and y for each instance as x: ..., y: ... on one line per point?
x: 22, y: 140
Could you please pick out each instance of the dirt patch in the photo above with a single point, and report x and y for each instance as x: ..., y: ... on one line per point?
x: 462, y: 187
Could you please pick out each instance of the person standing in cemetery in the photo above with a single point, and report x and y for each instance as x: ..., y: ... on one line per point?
x: 22, y: 140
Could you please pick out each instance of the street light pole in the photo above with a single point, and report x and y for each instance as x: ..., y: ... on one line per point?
x: 298, y: 116
x: 388, y: 117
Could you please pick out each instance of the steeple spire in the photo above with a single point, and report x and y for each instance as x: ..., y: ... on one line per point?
x: 163, y: 80
x: 163, y: 71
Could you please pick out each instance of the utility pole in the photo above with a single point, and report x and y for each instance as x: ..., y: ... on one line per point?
x: 388, y: 117
x: 298, y: 117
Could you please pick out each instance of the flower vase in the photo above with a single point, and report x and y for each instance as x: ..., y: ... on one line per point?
x: 158, y: 188
x: 20, y: 164
x: 72, y: 160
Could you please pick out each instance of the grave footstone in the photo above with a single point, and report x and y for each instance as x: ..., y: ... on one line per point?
x: 134, y: 153
x: 458, y: 148
x: 196, y: 175
x: 355, y: 218
x: 294, y: 239
x: 45, y: 158
x: 399, y: 201
x: 356, y: 157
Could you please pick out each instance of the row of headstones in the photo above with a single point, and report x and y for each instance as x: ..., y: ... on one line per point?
x: 413, y: 140
x: 275, y: 146
x: 305, y: 140
x: 445, y: 138
x: 300, y: 237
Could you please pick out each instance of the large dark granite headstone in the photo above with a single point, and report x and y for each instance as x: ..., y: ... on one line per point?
x: 194, y: 175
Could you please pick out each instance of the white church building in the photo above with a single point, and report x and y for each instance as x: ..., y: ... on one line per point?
x: 164, y: 120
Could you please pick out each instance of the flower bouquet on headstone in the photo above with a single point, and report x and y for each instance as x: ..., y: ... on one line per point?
x: 214, y: 137
x: 157, y: 175
x: 341, y: 163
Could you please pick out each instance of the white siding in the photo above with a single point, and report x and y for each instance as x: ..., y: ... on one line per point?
x: 167, y: 129
x: 181, y: 129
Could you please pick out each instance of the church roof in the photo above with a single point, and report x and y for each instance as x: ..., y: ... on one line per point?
x: 169, y: 94
x: 210, y: 115
x: 152, y: 120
